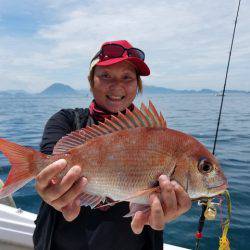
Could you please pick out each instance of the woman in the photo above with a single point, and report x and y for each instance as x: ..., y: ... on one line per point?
x: 62, y: 224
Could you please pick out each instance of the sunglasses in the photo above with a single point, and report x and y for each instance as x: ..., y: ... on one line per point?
x: 115, y: 50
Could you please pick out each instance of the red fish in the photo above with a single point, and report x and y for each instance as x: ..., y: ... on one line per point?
x: 122, y: 159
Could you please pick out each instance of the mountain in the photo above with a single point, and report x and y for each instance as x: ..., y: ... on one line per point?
x: 59, y: 89
x: 208, y: 91
x: 237, y: 91
x: 147, y: 89
x: 14, y: 93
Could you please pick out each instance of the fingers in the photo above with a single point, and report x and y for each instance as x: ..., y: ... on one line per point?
x: 156, y: 217
x: 65, y: 184
x: 138, y: 222
x: 175, y: 200
x: 184, y: 202
x: 70, y: 194
x: 166, y: 206
x: 169, y: 201
x: 62, y: 194
x: 44, y: 177
x: 50, y: 192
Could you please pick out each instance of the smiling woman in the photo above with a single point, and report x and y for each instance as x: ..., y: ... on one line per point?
x: 115, y: 86
x: 61, y: 223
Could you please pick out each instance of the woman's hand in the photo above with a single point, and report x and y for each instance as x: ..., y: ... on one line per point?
x: 168, y: 205
x: 61, y: 194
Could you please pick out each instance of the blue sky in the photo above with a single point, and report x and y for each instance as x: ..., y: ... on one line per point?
x: 186, y: 42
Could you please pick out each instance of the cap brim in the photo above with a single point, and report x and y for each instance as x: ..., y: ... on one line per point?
x: 140, y: 65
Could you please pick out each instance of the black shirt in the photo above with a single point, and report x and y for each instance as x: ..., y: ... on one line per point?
x: 92, y: 229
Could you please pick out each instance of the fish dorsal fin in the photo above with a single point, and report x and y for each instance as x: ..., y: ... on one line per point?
x: 145, y: 117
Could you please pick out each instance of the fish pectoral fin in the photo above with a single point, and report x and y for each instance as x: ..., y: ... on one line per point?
x: 132, y: 197
x: 109, y: 204
x: 145, y: 192
x: 90, y: 200
x: 134, y: 207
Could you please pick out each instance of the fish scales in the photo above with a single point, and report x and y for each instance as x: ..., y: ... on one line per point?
x: 125, y: 162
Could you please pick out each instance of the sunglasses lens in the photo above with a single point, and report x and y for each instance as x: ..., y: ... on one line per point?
x: 133, y: 52
x: 112, y: 51
x: 115, y: 50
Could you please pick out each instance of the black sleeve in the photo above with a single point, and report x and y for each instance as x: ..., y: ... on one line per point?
x: 59, y: 125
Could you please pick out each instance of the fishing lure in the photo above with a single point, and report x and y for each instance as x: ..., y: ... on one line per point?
x: 224, y: 243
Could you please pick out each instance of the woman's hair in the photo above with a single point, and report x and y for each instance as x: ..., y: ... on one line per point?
x: 91, y: 80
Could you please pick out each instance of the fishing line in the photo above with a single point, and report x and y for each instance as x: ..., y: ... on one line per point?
x: 225, y: 81
x: 204, y: 206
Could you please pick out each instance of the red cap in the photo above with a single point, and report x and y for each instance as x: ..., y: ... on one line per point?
x: 140, y: 65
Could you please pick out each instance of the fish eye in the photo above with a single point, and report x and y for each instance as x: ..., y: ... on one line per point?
x: 205, y: 166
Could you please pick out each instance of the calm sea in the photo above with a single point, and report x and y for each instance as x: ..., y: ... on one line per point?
x: 22, y: 120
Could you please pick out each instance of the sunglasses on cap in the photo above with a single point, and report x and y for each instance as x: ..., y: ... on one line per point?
x: 115, y: 50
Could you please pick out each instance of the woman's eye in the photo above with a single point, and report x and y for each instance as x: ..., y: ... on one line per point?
x: 127, y: 77
x: 105, y: 76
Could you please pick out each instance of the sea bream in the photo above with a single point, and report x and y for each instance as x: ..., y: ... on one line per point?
x: 122, y: 159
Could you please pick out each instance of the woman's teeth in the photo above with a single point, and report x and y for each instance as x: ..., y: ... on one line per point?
x: 115, y: 98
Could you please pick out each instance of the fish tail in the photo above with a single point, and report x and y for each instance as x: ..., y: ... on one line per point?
x: 24, y: 164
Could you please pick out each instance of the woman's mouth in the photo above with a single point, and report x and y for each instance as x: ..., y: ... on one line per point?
x: 114, y: 98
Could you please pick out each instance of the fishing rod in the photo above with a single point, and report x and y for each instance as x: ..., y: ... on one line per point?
x: 205, y: 204
x: 225, y: 81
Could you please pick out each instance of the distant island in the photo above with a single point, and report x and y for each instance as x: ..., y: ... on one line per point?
x: 60, y: 89
x: 57, y: 88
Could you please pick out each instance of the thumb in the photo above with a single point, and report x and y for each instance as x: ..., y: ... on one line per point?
x: 138, y: 222
x: 72, y: 210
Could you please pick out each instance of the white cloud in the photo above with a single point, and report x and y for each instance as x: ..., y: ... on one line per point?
x: 186, y: 42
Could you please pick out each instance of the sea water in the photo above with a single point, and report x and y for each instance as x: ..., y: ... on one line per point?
x: 22, y: 120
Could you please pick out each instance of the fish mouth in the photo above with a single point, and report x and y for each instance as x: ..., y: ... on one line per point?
x: 216, y: 190
x: 221, y: 187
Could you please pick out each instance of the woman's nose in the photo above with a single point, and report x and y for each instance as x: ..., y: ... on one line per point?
x: 116, y: 83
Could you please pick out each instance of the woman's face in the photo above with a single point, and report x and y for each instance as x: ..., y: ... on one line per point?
x: 115, y: 86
